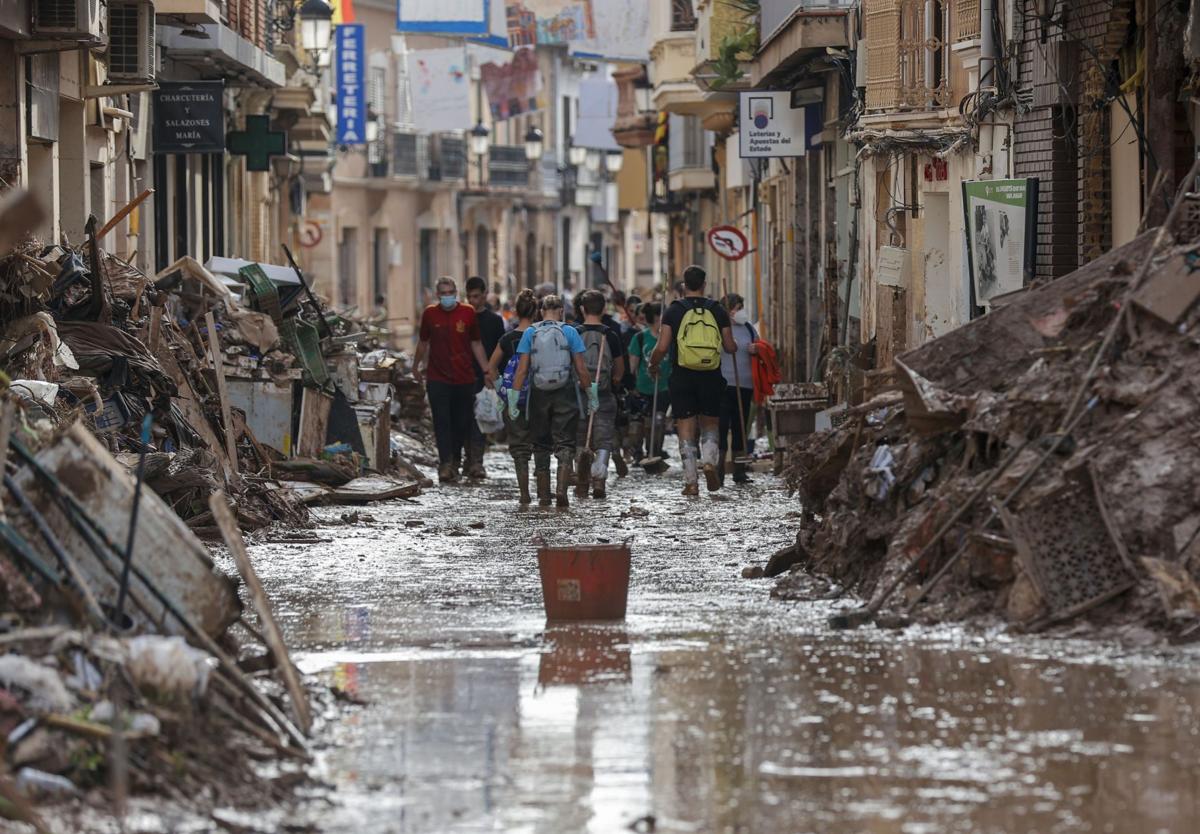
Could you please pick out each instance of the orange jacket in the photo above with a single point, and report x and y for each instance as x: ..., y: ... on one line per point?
x: 765, y: 367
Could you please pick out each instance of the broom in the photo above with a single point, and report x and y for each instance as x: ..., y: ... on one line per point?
x: 745, y: 459
x: 652, y: 463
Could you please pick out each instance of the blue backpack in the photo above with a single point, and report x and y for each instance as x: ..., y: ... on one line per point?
x: 508, y: 378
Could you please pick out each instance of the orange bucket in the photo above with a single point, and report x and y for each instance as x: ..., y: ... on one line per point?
x: 585, y: 582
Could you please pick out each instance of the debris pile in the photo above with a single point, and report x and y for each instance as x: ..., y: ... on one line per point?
x: 1039, y: 463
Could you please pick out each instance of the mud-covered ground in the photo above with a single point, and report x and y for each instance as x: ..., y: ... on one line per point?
x: 710, y: 709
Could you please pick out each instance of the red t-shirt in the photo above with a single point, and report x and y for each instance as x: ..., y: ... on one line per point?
x: 450, y: 335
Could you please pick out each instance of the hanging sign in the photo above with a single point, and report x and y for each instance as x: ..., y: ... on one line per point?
x: 444, y: 17
x: 189, y: 117
x: 351, y: 96
x: 769, y: 126
x: 1001, y: 221
x: 728, y: 242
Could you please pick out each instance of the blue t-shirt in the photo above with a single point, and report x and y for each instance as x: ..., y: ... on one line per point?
x: 574, y: 341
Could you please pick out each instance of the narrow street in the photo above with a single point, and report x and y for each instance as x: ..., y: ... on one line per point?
x: 711, y: 708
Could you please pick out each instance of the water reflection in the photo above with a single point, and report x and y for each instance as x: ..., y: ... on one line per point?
x: 582, y: 654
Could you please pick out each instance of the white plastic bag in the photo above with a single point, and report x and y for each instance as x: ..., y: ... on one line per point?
x: 489, y: 411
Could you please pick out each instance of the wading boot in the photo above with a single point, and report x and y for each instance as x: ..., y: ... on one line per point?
x: 543, y: 487
x: 721, y: 467
x: 564, y: 481
x: 599, y: 487
x: 522, y: 467
x: 741, y: 474
x: 447, y: 473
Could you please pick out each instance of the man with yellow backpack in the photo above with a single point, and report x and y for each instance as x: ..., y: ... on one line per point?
x: 695, y: 330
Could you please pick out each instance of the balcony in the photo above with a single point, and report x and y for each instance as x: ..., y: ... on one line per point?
x: 913, y: 63
x: 791, y: 31
x: 428, y: 157
x: 689, y: 155
x: 508, y: 167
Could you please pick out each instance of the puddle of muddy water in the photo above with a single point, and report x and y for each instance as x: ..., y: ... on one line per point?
x: 710, y: 709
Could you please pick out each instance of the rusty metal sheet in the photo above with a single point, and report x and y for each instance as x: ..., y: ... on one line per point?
x: 1069, y: 548
x: 165, y: 549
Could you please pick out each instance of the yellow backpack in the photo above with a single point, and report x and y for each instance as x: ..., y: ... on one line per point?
x: 698, y: 344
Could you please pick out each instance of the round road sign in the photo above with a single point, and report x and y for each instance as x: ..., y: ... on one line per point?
x: 310, y: 234
x: 728, y: 242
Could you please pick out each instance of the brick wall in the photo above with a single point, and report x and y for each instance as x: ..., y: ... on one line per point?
x: 1063, y: 140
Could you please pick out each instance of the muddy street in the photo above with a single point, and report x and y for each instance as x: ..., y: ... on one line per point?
x: 710, y: 708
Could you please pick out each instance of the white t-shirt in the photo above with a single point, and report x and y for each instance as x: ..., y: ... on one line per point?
x: 744, y: 335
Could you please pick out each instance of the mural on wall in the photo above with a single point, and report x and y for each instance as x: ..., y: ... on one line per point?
x: 549, y: 22
x: 512, y: 86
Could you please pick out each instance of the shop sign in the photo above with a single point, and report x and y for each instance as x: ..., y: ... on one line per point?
x: 351, y: 96
x: 189, y: 117
x: 769, y: 126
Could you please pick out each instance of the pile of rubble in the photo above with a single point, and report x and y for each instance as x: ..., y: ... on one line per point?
x: 1037, y: 464
x: 139, y: 415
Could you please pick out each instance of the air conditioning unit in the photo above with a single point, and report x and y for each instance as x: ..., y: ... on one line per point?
x: 131, y: 54
x: 81, y: 20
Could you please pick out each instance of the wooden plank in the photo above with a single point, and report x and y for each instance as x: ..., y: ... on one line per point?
x: 374, y: 488
x: 188, y: 402
x: 314, y: 423
x: 156, y: 314
x: 219, y: 505
x: 218, y: 364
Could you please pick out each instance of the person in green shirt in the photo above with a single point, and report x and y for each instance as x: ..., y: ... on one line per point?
x: 640, y: 406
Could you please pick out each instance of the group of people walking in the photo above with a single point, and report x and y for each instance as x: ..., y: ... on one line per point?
x: 591, y: 393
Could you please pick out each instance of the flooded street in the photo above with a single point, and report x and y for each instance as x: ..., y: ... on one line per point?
x: 710, y: 709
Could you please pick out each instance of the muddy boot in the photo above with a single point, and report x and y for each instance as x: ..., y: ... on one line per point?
x: 722, y: 463
x: 691, y: 490
x: 599, y: 488
x: 563, y: 483
x: 473, y: 466
x: 709, y: 453
x: 543, y: 487
x: 522, y: 467
x: 741, y: 475
x: 622, y: 466
x: 447, y: 473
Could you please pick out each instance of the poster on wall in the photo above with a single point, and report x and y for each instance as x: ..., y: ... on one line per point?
x: 512, y: 86
x: 549, y: 22
x: 444, y: 17
x: 441, y: 95
x: 351, y: 97
x: 1001, y: 225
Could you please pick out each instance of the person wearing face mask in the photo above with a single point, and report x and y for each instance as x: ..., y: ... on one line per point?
x: 738, y: 385
x: 447, y: 352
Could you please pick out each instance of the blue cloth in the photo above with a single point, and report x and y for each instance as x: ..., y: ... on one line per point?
x: 574, y: 341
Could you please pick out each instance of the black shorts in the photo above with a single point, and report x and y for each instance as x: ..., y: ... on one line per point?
x: 696, y: 393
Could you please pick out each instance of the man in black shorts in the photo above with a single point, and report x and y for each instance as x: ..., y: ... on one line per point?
x: 695, y: 329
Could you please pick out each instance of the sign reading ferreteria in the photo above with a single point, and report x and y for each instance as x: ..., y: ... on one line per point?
x: 769, y: 126
x: 350, y: 76
x: 189, y: 117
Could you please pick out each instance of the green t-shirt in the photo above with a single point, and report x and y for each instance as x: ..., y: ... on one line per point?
x: 642, y: 346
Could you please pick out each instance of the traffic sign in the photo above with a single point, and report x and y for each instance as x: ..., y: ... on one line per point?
x: 728, y: 242
x: 310, y: 234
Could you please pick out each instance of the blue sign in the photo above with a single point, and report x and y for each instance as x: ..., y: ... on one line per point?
x: 351, y: 89
x: 444, y: 17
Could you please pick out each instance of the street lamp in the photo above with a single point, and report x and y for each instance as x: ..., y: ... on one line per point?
x: 480, y: 139
x: 534, y: 144
x: 372, y: 127
x: 575, y: 154
x: 592, y: 160
x: 613, y: 161
x: 316, y: 25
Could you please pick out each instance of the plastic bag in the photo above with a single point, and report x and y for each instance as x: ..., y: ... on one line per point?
x: 489, y: 411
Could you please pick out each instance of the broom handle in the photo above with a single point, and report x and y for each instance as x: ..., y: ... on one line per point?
x: 737, y: 384
x: 596, y: 378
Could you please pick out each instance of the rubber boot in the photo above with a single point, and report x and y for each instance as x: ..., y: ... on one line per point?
x: 599, y: 473
x: 565, y: 478
x: 721, y: 464
x: 741, y: 474
x: 543, y: 487
x: 622, y: 466
x: 709, y: 452
x: 522, y: 467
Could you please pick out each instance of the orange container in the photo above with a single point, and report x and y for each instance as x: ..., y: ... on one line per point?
x: 585, y: 582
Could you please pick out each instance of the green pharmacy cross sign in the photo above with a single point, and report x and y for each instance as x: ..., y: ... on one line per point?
x: 258, y: 143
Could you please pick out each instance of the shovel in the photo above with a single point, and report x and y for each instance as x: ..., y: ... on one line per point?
x: 583, y: 465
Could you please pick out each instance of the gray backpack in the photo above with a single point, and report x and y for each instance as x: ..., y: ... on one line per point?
x: 550, y: 356
x: 594, y: 341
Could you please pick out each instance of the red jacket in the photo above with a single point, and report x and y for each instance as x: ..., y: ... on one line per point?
x: 764, y: 365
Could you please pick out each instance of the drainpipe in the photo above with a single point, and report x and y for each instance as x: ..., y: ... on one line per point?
x: 987, y: 79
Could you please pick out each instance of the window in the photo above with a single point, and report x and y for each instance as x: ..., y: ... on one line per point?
x: 683, y: 16
x: 908, y: 54
x: 687, y: 142
x: 428, y: 256
x: 348, y: 267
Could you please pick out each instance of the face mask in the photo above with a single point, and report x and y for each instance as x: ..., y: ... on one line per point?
x: 448, y: 302
x: 740, y: 317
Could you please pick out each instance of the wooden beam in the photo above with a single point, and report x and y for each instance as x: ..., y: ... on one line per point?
x: 218, y: 363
